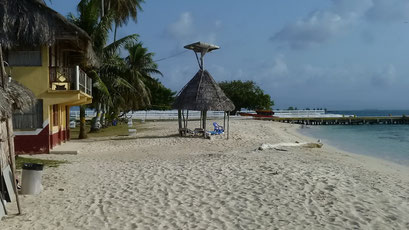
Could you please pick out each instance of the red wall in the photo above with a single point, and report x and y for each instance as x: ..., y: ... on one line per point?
x: 41, y: 143
x: 31, y: 144
x: 57, y: 138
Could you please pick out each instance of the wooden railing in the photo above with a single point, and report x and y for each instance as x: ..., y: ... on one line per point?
x: 74, y: 79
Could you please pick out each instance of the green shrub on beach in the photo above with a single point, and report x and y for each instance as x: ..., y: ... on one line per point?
x: 246, y: 94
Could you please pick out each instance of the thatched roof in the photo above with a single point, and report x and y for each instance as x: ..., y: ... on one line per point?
x: 15, y: 97
x: 32, y: 23
x: 203, y: 93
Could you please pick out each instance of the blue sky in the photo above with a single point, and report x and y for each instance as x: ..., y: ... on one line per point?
x: 338, y: 54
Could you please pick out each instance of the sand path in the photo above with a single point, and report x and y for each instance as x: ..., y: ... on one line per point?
x: 160, y: 181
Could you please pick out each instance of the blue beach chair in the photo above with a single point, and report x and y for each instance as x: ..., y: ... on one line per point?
x: 218, y: 129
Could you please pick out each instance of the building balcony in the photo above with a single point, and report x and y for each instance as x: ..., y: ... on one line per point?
x: 70, y: 78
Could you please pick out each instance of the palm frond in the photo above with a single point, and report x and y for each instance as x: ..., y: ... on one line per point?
x: 114, y: 46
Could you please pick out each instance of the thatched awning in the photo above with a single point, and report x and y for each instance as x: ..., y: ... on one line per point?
x: 15, y: 97
x: 32, y: 23
x: 203, y: 93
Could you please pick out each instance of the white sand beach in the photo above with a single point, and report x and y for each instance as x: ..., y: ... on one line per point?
x: 162, y: 181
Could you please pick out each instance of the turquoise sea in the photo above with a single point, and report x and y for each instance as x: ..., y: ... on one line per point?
x: 388, y: 142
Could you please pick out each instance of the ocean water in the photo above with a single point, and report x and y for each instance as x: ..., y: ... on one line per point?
x: 371, y: 112
x: 388, y: 142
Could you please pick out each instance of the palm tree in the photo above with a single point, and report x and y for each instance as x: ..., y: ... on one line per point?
x: 141, y: 67
x: 119, y: 83
x: 137, y: 71
x: 122, y: 11
x: 98, y: 28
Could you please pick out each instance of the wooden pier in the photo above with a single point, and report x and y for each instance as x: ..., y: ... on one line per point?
x: 402, y: 120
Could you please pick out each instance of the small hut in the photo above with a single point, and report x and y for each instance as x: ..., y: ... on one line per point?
x: 202, y: 93
x: 13, y: 98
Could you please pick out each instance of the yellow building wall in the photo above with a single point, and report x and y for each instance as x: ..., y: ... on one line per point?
x: 36, y: 78
x: 62, y: 119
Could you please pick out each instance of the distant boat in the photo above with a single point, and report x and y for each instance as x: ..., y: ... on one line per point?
x: 259, y: 113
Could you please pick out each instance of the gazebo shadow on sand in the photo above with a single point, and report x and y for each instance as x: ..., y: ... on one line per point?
x: 157, y: 136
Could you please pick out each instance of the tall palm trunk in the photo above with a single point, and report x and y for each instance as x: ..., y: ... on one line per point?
x: 95, y: 125
x: 83, y: 134
x: 116, y: 28
x: 102, y: 118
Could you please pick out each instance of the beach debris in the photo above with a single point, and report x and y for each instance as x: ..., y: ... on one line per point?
x: 283, y: 150
x: 214, y: 155
x: 313, y: 145
x: 279, y: 145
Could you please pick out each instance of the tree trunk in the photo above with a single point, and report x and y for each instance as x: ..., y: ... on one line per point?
x: 116, y: 27
x: 95, y: 124
x: 102, y: 118
x: 83, y: 134
x: 102, y: 9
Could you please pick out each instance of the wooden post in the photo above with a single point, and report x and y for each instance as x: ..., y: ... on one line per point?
x: 187, y: 117
x: 200, y: 119
x: 13, y: 164
x: 180, y: 121
x: 204, y: 123
x: 183, y: 116
x: 224, y: 119
x: 228, y: 124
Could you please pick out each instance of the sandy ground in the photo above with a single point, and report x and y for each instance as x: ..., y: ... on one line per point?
x: 161, y: 181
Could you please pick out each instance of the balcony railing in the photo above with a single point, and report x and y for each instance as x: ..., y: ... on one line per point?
x: 70, y: 78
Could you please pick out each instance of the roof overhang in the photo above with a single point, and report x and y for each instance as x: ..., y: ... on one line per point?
x: 199, y: 47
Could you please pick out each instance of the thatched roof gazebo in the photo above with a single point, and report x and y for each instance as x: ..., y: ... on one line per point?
x: 13, y: 98
x: 202, y: 93
x: 32, y: 23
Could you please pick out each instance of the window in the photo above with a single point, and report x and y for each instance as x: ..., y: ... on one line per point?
x: 24, y: 57
x: 31, y: 119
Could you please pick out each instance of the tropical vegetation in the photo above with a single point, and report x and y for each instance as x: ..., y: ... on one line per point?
x: 126, y: 76
x: 246, y: 95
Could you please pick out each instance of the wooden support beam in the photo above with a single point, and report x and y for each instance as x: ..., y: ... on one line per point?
x: 180, y: 121
x: 187, y: 117
x: 228, y: 124
x: 204, y: 123
x: 224, y: 119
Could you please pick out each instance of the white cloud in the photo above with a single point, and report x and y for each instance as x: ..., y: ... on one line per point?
x: 384, y: 78
x: 323, y: 25
x: 389, y: 10
x: 317, y: 28
x: 313, y: 71
x: 178, y: 76
x: 182, y: 28
x: 279, y: 67
x: 353, y: 8
x: 219, y: 73
x: 218, y: 23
